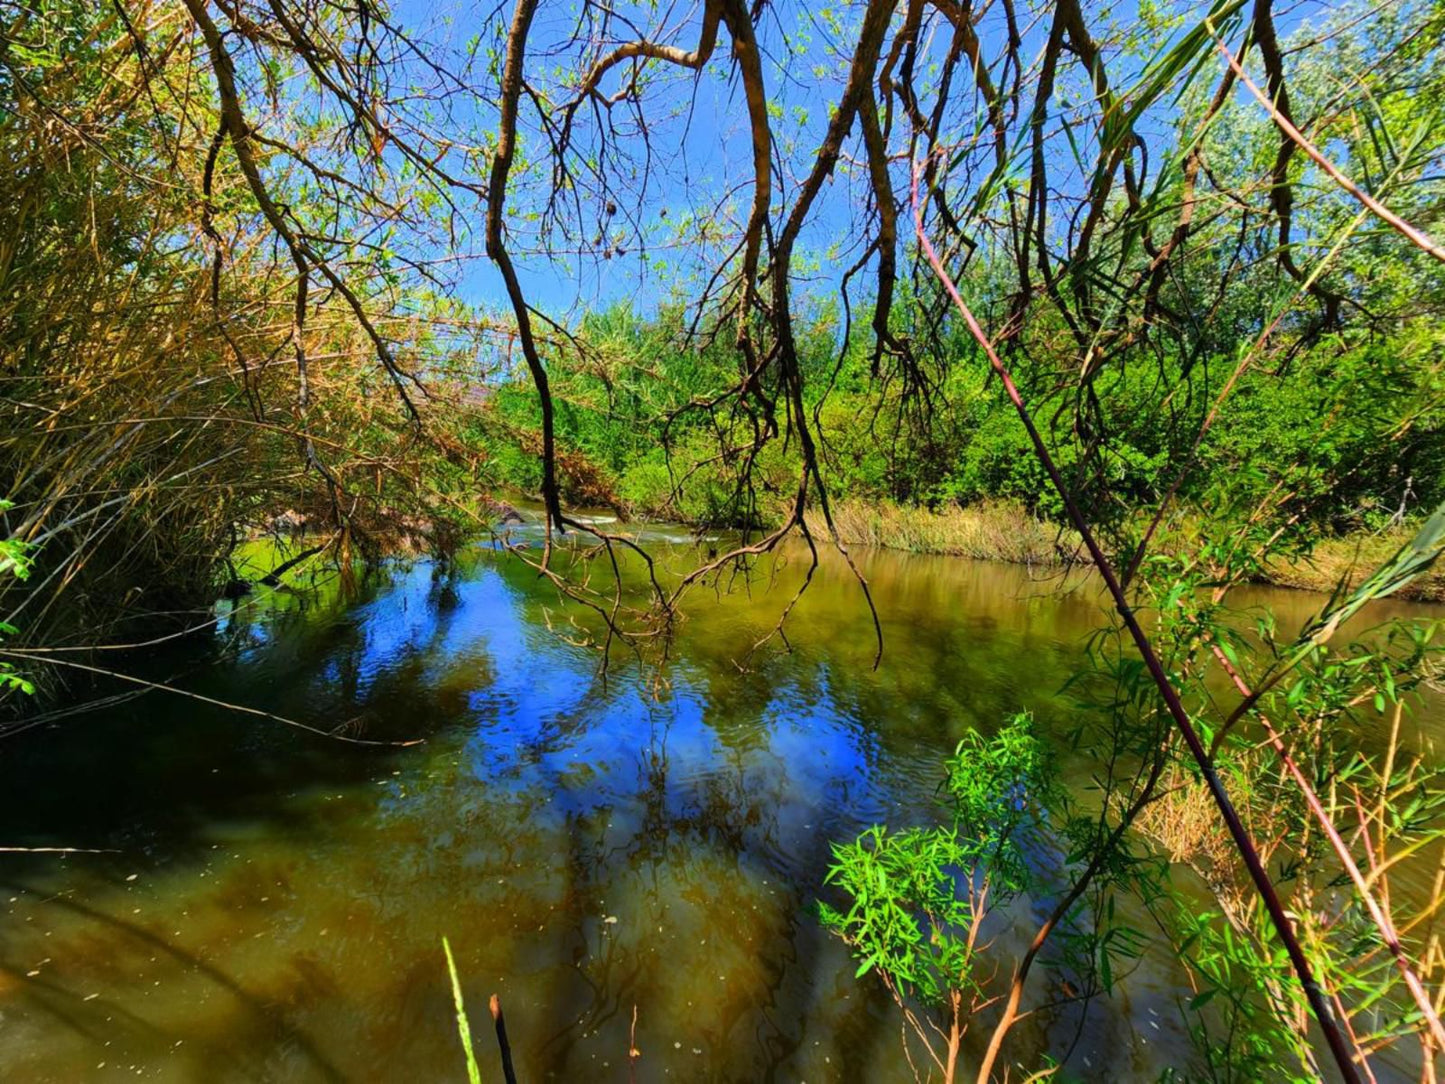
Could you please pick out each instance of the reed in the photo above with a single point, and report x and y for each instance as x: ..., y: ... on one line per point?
x: 1007, y: 531
x: 991, y: 530
x: 464, y: 1027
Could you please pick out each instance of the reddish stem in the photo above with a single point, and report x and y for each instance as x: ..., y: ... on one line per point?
x: 1319, y: 1003
x: 1377, y: 914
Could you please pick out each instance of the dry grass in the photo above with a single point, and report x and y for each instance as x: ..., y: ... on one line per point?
x: 1006, y: 531
x: 1351, y: 558
x: 1184, y: 821
x: 992, y: 531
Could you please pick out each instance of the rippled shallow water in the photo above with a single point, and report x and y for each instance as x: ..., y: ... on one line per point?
x: 273, y: 903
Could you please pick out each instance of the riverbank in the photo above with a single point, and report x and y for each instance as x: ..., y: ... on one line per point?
x: 1006, y: 531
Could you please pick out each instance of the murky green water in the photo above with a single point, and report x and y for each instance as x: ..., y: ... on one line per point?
x: 274, y: 905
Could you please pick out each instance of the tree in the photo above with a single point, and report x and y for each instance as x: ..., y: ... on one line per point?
x: 1133, y: 229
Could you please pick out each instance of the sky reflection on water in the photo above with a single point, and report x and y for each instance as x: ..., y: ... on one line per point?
x: 276, y: 903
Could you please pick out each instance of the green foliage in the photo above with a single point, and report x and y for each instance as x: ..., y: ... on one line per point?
x: 1375, y: 793
x: 907, y: 920
x: 916, y: 896
x: 1324, y: 431
x: 1237, y: 1019
x: 1000, y: 786
x: 14, y: 561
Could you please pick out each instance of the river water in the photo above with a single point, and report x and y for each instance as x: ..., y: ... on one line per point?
x: 621, y: 861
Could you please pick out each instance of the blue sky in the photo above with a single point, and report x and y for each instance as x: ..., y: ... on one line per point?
x: 666, y: 239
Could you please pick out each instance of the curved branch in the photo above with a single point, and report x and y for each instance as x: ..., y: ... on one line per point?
x: 497, y: 250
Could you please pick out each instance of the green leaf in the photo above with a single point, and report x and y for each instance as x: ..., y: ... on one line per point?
x: 1203, y: 998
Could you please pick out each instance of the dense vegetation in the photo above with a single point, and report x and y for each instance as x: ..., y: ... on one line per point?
x: 259, y: 263
x: 1362, y: 469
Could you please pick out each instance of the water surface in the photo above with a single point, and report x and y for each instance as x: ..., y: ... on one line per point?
x: 272, y: 904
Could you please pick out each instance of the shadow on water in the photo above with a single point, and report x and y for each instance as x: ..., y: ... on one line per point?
x: 275, y: 905
x: 89, y: 1015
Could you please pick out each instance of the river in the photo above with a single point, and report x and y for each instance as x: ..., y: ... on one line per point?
x: 269, y: 905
